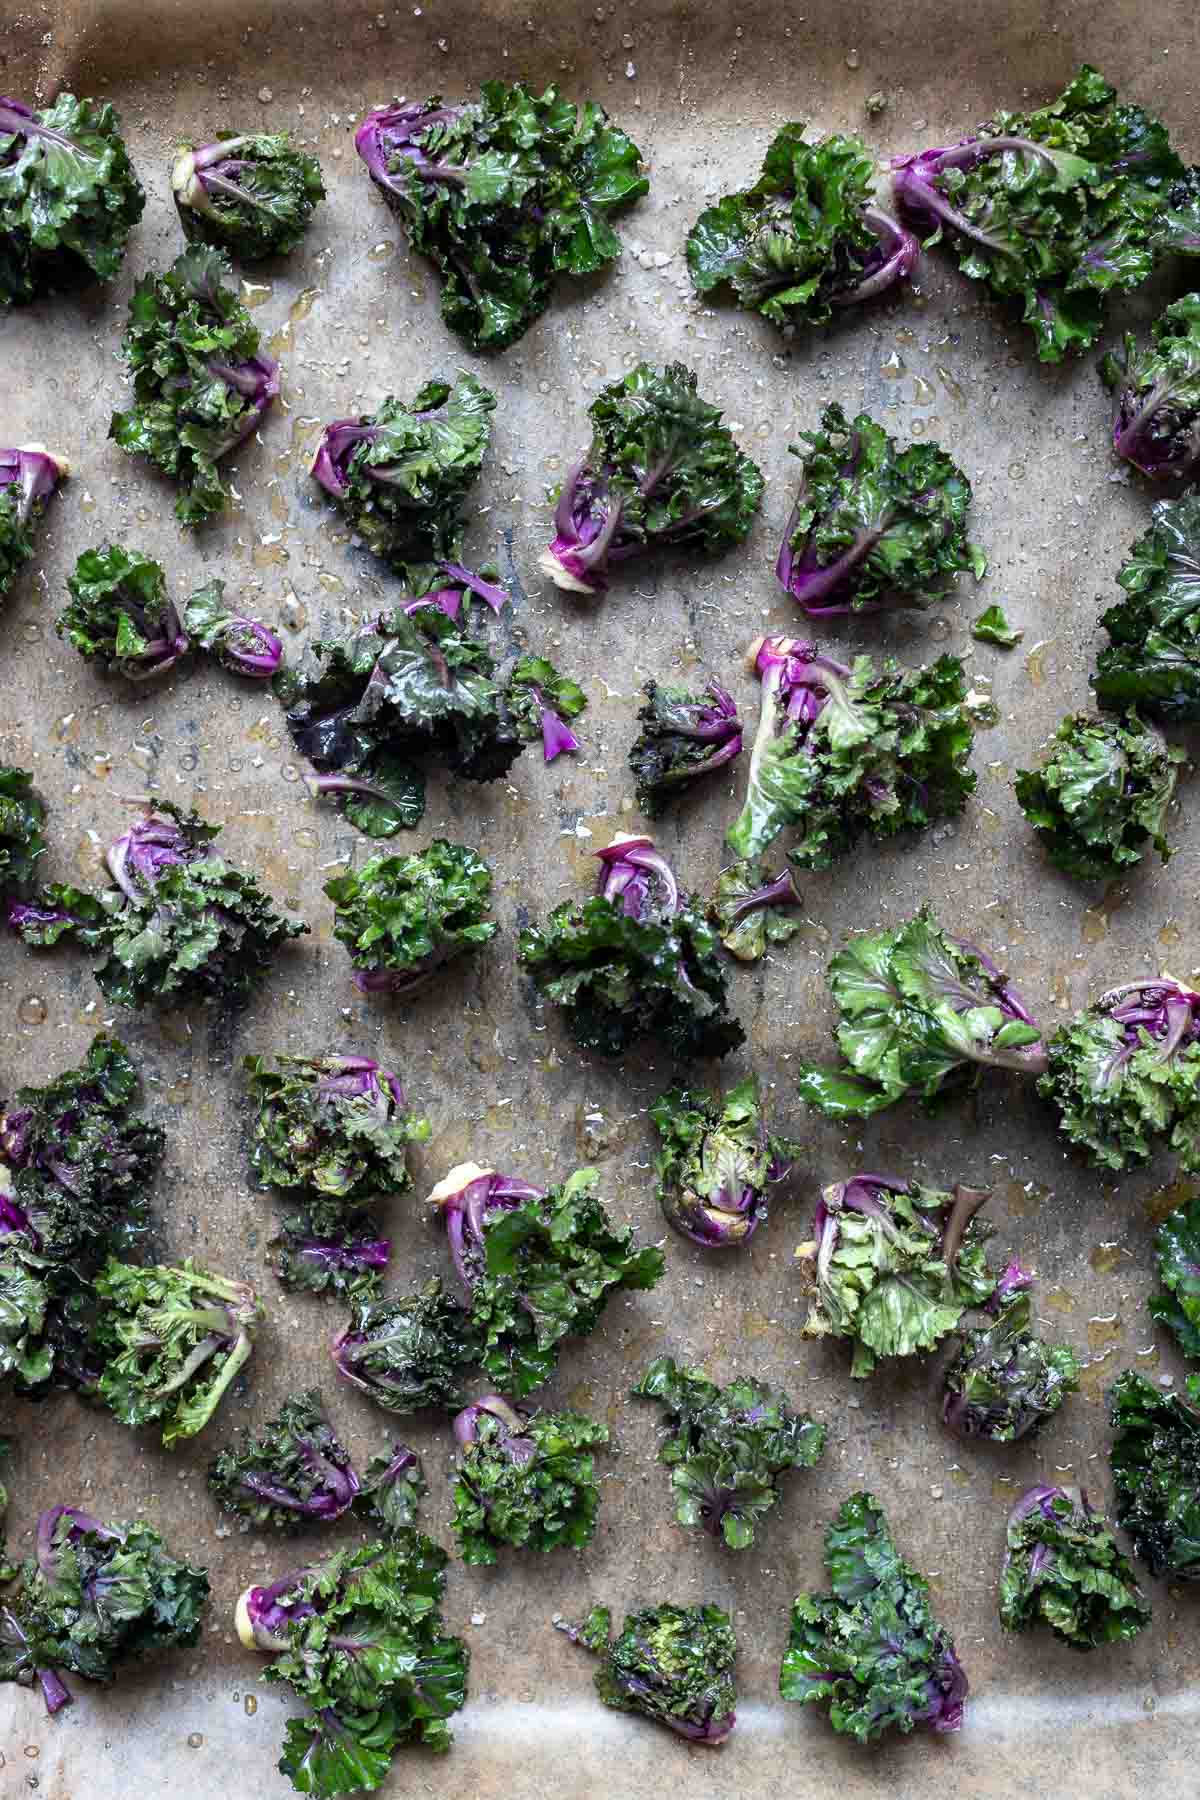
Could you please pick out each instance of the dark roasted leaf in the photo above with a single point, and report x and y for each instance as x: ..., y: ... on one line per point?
x: 409, y: 1353
x: 683, y: 735
x: 670, y: 1663
x: 293, y: 1474
x: 1156, y: 1473
x: 1156, y: 412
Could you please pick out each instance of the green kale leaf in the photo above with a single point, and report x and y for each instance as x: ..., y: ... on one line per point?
x: 727, y: 1448
x: 872, y: 1647
x: 673, y: 1664
x: 1153, y: 657
x: 251, y: 194
x: 683, y: 735
x: 1155, y: 1462
x: 992, y: 627
x: 120, y: 614
x: 294, y: 1474
x: 529, y: 1481
x: 339, y: 1126
x: 1064, y: 1567
x: 1101, y: 795
x: 503, y: 195
x: 1177, y: 1250
x: 403, y: 918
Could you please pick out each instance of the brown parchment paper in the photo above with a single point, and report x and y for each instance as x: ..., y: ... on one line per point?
x: 352, y: 317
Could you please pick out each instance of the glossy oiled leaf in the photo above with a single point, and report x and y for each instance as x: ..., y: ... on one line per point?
x: 251, y: 194
x: 530, y: 1483
x: 1101, y: 796
x: 120, y: 615
x: 872, y: 1648
x: 716, y: 1162
x: 1177, y: 1248
x: 402, y: 918
x: 22, y: 816
x: 68, y: 196
x: 673, y: 1664
x: 1156, y: 1474
x: 1052, y: 209
x: 727, y: 1448
x: 293, y: 1474
x: 503, y: 195
x: 1064, y: 1568
x: 1153, y: 657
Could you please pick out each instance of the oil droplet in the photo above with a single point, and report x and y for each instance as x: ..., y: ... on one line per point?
x: 1058, y: 1300
x: 303, y: 304
x: 1107, y: 1257
x: 499, y: 1118
x: 280, y: 340
x: 32, y: 1752
x: 88, y: 503
x: 255, y: 293
x: 905, y: 336
x: 892, y: 367
x: 1094, y: 925
x: 293, y: 612
x: 195, y: 1739
x: 32, y: 634
x: 1060, y: 989
x: 269, y: 553
x: 1170, y: 933
x: 304, y: 430
x: 1149, y: 1357
x: 290, y: 772
x: 923, y: 392
x: 333, y: 584
x: 998, y: 771
x: 1025, y: 1197
x: 1016, y: 470
x: 32, y: 1010
x: 1035, y: 662
x: 380, y: 252
x: 918, y: 427
x: 951, y: 386
x: 1004, y: 1487
x: 251, y: 1705
x: 960, y: 1476
x: 990, y: 820
x: 1163, y: 1202
x: 1105, y: 1328
x: 278, y: 504
x: 598, y: 1133
x: 66, y: 729
x: 852, y: 59
x: 1095, y: 1376
x: 306, y: 837
x: 756, y: 1325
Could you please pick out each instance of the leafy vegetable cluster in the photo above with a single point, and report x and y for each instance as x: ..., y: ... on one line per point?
x: 873, y: 526
x: 401, y: 476
x: 120, y: 614
x: 893, y: 1265
x: 727, y: 1448
x: 392, y: 1490
x: 683, y: 735
x: 808, y: 239
x: 1156, y: 394
x: 1179, y: 222
x: 921, y: 1013
x: 173, y: 1341
x: 337, y: 1125
x: 1005, y: 1381
x: 295, y: 1473
x: 503, y: 195
x: 69, y: 196
x: 180, y: 924
x: 28, y: 478
x: 76, y: 1164
x: 1053, y: 209
x: 403, y: 918
x: 359, y: 1639
x: 1101, y: 795
x: 1177, y: 1251
x: 22, y: 816
x: 369, y: 710
x: 525, y: 1481
x: 535, y: 1266
x: 716, y: 1162
x: 408, y: 1353
x: 1155, y: 1458
x: 872, y: 1647
x: 243, y: 646
x: 1064, y: 1568
x: 201, y: 386
x: 1126, y: 1071
x: 842, y: 751
x: 1153, y: 657
x: 661, y: 470
x: 673, y: 1664
x: 251, y: 194
x: 636, y: 960
x: 93, y: 1598
x: 751, y: 909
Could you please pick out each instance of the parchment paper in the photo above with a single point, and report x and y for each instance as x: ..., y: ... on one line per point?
x: 352, y: 318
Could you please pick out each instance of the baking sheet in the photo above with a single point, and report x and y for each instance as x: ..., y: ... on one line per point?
x: 352, y: 317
